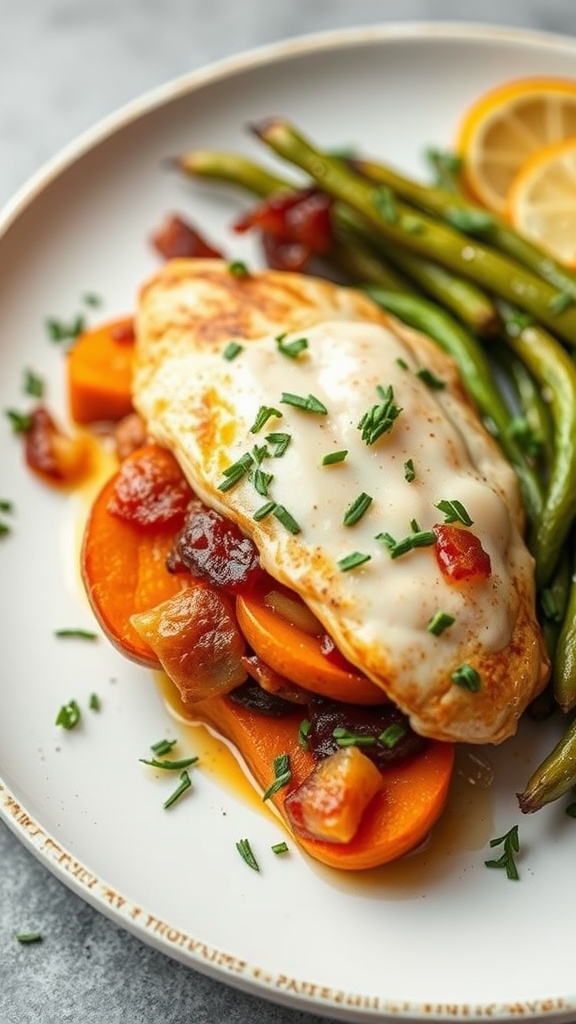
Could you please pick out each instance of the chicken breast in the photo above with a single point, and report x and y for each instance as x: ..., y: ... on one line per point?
x: 340, y: 441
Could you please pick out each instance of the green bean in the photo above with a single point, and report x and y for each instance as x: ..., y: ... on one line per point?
x: 564, y: 668
x: 360, y: 265
x: 553, y: 607
x: 534, y: 410
x: 458, y: 210
x: 220, y: 165
x: 468, y: 301
x: 464, y: 298
x: 475, y: 371
x: 555, y: 372
x: 419, y: 232
x: 554, y: 777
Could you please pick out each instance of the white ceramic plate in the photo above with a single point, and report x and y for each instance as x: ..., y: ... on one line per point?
x: 438, y: 936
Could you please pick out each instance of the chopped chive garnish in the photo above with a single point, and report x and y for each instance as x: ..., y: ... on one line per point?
x: 171, y: 766
x: 409, y: 471
x: 308, y: 403
x: 560, y: 302
x: 185, y: 783
x: 265, y: 412
x: 4, y: 529
x: 163, y: 747
x: 6, y: 506
x: 439, y: 622
x: 304, y: 732
x: 279, y: 847
x: 94, y: 702
x: 21, y: 421
x: 467, y: 677
x: 334, y: 457
x: 282, y: 775
x: 454, y: 512
x: 245, y: 851
x: 416, y: 539
x: 33, y: 384
x: 401, y: 363
x: 259, y: 453
x: 380, y: 418
x: 283, y: 516
x: 430, y: 379
x: 238, y: 268
x: 77, y: 634
x: 58, y: 330
x: 292, y: 349
x: 233, y: 348
x: 262, y: 481
x: 27, y: 938
x: 264, y: 511
x: 68, y: 715
x: 236, y: 472
x: 352, y: 561
x: 511, y: 844
x: 392, y: 735
x: 346, y: 738
x: 357, y: 509
x: 280, y: 442
x: 92, y: 300
x: 384, y: 201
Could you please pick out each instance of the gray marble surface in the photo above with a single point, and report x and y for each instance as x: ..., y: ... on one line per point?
x: 64, y: 64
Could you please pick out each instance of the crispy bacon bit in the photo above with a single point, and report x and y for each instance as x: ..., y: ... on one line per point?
x: 294, y: 226
x: 197, y: 641
x: 177, y: 238
x: 150, y: 489
x: 215, y: 549
x: 460, y: 554
x: 51, y: 453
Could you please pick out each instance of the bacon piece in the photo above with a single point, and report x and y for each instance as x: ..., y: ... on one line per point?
x: 460, y: 554
x: 51, y: 453
x: 150, y: 489
x: 196, y: 639
x: 177, y: 238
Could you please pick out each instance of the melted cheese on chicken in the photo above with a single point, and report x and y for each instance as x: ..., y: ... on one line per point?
x: 252, y: 432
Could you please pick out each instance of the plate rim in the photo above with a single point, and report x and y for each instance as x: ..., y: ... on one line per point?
x: 258, y: 56
x: 297, y: 994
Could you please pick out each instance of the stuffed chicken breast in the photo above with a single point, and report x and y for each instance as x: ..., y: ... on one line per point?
x: 343, y: 445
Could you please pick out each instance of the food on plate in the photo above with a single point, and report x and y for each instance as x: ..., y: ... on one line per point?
x: 541, y: 203
x: 506, y: 126
x: 343, y: 542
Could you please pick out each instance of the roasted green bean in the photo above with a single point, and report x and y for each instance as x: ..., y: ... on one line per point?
x: 417, y: 231
x: 554, y: 777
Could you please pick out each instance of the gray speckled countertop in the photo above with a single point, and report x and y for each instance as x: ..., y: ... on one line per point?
x: 64, y: 64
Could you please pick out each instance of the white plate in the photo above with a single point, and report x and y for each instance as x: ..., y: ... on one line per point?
x: 437, y: 936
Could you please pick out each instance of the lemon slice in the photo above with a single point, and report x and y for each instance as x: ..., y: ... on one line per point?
x: 542, y: 200
x: 506, y: 126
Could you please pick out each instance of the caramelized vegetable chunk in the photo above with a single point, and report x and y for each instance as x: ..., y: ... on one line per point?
x: 330, y: 803
x: 215, y: 549
x: 150, y: 489
x: 54, y: 455
x: 196, y: 640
